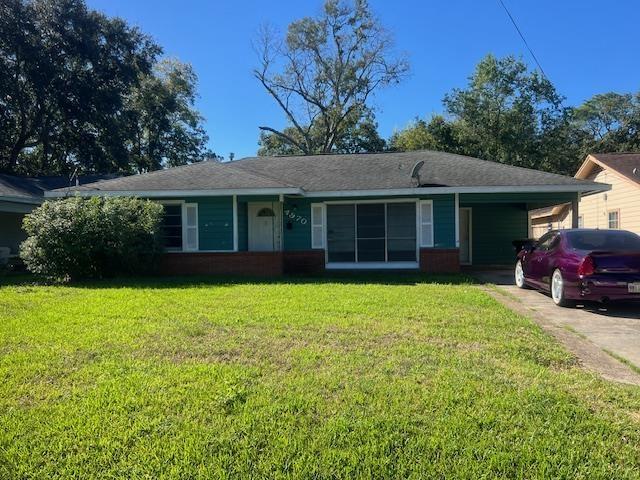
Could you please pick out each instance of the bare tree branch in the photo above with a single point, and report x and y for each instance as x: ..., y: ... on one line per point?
x: 324, y: 71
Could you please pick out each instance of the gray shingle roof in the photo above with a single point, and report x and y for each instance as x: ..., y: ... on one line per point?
x: 33, y: 188
x: 393, y: 170
x: 209, y: 175
x: 319, y: 173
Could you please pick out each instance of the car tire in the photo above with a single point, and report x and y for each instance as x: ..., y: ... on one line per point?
x: 519, y: 275
x: 556, y: 288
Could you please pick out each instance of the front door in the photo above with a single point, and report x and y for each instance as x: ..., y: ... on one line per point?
x: 264, y: 226
x: 465, y: 236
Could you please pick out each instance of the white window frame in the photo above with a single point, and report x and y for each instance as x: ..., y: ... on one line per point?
x: 184, y: 205
x: 617, y: 212
x: 420, y: 223
x: 318, y: 220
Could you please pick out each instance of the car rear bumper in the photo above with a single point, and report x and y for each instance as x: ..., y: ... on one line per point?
x: 603, y: 288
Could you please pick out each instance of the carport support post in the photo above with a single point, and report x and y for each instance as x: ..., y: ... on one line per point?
x: 574, y: 211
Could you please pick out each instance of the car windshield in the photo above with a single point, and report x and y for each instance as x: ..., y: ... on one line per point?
x: 606, y: 240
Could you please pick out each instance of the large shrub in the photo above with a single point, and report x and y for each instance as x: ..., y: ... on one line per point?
x: 79, y: 238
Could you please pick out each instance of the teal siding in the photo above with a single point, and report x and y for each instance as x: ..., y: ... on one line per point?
x: 297, y: 234
x: 497, y: 220
x: 297, y: 227
x: 532, y: 200
x: 444, y: 220
x: 215, y: 222
x: 493, y: 228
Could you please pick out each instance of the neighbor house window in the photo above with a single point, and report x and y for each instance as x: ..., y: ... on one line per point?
x: 179, y: 227
x: 368, y: 232
x: 614, y: 219
x: 580, y: 221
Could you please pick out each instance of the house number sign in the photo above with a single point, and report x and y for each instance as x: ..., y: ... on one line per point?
x: 292, y: 215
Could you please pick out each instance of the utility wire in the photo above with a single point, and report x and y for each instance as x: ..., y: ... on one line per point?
x: 523, y: 39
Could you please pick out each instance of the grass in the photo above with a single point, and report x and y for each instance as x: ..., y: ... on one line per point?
x: 353, y: 377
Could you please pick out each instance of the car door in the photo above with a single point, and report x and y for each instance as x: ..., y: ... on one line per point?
x: 536, y: 260
x: 546, y: 261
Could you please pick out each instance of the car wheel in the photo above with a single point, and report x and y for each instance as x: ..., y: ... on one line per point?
x: 557, y: 289
x: 519, y: 275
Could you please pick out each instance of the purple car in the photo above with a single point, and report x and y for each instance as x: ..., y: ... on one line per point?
x: 582, y: 264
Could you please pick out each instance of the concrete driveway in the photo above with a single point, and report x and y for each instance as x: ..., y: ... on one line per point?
x: 613, y: 328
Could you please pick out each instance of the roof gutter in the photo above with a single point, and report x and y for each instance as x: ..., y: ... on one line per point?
x: 173, y: 193
x: 16, y: 199
x: 584, y: 189
x: 592, y: 188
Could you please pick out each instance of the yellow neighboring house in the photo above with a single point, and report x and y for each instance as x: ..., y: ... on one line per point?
x: 617, y: 208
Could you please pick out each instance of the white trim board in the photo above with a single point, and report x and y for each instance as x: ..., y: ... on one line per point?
x: 373, y: 266
x: 601, y: 187
x: 225, y: 192
x: 598, y: 187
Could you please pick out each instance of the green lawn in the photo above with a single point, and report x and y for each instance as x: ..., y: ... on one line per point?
x: 358, y: 377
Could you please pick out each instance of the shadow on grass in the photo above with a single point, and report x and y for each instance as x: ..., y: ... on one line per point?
x: 345, y: 278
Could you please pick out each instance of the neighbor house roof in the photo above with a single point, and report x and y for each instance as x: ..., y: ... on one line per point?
x: 31, y: 189
x: 625, y: 164
x: 353, y: 173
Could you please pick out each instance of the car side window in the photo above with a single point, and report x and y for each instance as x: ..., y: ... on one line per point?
x: 548, y: 241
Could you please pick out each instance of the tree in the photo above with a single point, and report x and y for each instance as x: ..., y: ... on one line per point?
x: 608, y: 122
x: 67, y: 78
x: 166, y: 127
x: 323, y: 74
x: 437, y: 134
x: 360, y: 136
x: 507, y: 114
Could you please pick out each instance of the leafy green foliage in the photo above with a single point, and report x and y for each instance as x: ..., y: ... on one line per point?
x: 437, y: 134
x: 79, y: 238
x: 81, y: 90
x: 511, y: 115
x: 359, y: 135
x: 609, y: 122
x: 166, y: 128
x: 322, y: 75
x: 362, y: 377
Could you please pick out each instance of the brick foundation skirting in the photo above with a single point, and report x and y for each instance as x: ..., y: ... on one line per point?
x: 222, y: 263
x: 439, y: 260
x: 308, y: 261
x: 267, y: 264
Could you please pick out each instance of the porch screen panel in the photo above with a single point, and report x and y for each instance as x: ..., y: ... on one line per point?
x: 341, y: 233
x: 371, y: 232
x: 401, y: 232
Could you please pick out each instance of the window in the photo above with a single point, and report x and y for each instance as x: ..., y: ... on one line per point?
x: 179, y: 227
x: 580, y: 221
x: 588, y: 240
x: 614, y: 219
x: 266, y: 212
x: 171, y: 227
x: 368, y: 232
x: 548, y: 241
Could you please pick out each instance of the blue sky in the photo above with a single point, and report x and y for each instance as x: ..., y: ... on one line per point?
x: 585, y: 47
